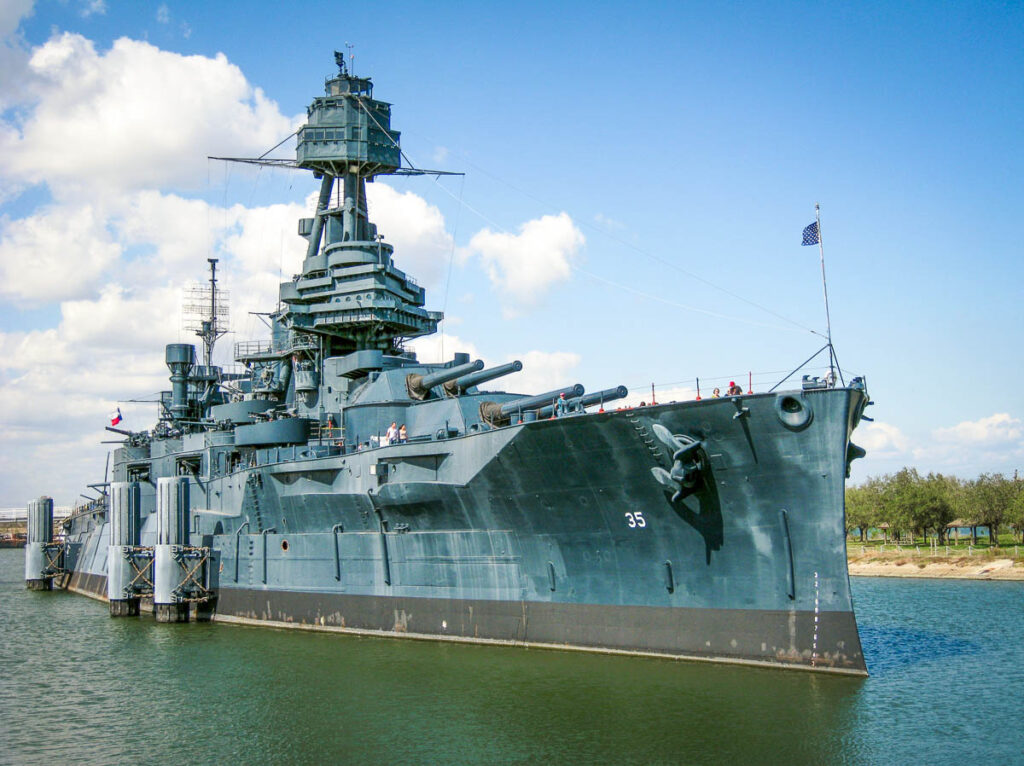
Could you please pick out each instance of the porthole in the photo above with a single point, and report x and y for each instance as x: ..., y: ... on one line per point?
x: 284, y: 545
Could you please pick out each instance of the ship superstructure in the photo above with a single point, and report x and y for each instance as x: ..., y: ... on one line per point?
x: 341, y: 483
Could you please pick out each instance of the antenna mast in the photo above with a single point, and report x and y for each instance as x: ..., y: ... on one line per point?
x: 824, y: 287
x: 206, y: 312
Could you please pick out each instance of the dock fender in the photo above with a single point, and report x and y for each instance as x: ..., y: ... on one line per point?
x: 793, y: 410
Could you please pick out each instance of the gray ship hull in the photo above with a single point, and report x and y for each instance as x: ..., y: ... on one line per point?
x: 549, y: 533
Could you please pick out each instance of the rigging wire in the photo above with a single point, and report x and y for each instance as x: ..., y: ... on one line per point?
x: 640, y: 250
x: 685, y: 306
x: 629, y: 245
x: 451, y: 259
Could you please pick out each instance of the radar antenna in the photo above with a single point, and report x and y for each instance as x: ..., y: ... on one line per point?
x: 351, y: 56
x: 206, y: 311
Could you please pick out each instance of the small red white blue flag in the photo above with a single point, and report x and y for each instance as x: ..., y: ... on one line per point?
x: 115, y: 417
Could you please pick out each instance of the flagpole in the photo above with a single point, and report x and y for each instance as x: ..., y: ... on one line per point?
x: 824, y: 288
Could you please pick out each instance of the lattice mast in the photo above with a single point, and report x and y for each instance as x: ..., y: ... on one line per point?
x: 206, y: 311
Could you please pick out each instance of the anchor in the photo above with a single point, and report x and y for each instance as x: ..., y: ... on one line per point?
x: 689, y: 463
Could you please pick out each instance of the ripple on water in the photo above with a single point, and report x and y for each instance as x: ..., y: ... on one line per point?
x: 78, y: 686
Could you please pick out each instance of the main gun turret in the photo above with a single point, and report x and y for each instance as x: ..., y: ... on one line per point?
x: 459, y: 385
x: 419, y: 386
x: 496, y: 414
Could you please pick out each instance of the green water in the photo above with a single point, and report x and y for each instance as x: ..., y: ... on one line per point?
x: 77, y: 686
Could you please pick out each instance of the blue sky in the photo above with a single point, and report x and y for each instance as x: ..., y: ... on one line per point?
x: 636, y: 183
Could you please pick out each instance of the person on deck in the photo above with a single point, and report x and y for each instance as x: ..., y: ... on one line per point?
x: 716, y: 394
x: 734, y: 390
x: 392, y: 434
x: 403, y: 435
x: 561, y: 408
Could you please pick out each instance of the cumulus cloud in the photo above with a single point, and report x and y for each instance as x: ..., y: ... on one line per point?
x: 111, y: 261
x: 57, y: 253
x: 993, y: 443
x: 524, y: 266
x: 442, y: 347
x: 93, y: 8
x: 542, y: 370
x: 13, y: 53
x: 11, y: 14
x: 882, y: 439
x: 423, y: 247
x: 996, y: 429
x: 134, y: 116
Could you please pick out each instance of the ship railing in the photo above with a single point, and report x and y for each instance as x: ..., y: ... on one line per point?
x: 257, y: 349
x: 249, y: 348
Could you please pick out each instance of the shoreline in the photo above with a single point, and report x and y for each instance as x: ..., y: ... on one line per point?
x: 954, y: 568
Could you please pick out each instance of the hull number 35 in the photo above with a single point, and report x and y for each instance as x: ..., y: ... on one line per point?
x: 636, y: 520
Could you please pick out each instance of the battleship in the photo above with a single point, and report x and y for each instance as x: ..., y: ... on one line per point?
x: 334, y: 482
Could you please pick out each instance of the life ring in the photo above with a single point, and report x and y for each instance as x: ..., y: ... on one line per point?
x: 793, y: 411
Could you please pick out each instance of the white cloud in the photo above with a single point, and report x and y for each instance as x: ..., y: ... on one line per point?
x: 442, y: 347
x: 93, y: 8
x: 881, y: 439
x: 542, y: 370
x: 524, y: 266
x: 12, y: 12
x: 112, y: 259
x: 163, y: 13
x: 993, y: 443
x: 133, y: 116
x: 58, y: 253
x: 996, y: 429
x: 13, y: 54
x: 415, y: 228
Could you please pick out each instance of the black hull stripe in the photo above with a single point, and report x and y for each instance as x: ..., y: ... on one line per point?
x: 735, y: 636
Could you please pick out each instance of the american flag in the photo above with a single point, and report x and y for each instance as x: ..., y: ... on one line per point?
x: 811, y: 234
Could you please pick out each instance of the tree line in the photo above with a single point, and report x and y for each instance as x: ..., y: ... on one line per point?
x: 909, y: 502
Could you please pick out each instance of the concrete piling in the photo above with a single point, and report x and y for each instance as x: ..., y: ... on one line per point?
x: 40, y: 534
x: 125, y: 523
x: 172, y: 532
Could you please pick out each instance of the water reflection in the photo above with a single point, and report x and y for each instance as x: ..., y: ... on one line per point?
x: 76, y: 685
x: 890, y: 649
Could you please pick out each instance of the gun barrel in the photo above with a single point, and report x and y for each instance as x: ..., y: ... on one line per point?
x: 598, y: 397
x: 476, y: 378
x: 419, y: 385
x: 443, y: 376
x: 535, y: 402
